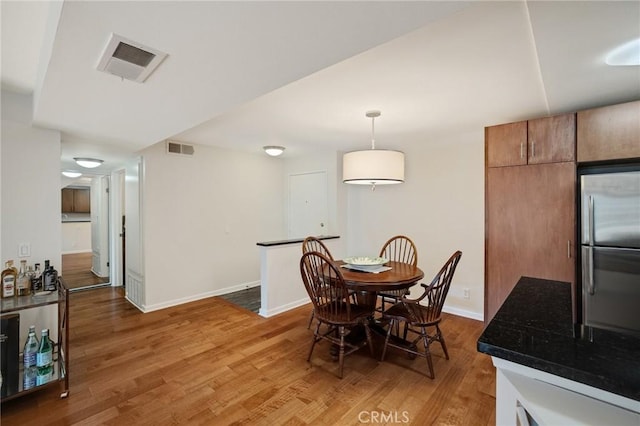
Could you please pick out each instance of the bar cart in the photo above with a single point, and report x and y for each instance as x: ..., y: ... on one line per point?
x: 15, y: 305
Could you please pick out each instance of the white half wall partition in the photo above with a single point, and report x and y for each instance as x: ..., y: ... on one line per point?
x: 280, y: 280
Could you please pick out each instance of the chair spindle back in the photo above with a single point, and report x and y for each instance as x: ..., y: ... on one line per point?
x: 326, y: 287
x: 400, y: 249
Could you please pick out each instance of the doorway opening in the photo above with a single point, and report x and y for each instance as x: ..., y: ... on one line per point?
x: 85, y: 233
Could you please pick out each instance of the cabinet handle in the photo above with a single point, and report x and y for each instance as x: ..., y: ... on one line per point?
x: 533, y: 148
x: 521, y: 150
x: 569, y: 249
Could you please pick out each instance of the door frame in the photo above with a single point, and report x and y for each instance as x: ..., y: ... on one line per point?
x: 116, y: 212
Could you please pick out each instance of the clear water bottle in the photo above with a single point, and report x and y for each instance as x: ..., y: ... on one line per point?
x: 29, y: 355
x: 44, y: 359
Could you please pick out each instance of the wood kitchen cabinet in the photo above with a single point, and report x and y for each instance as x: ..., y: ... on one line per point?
x: 506, y: 144
x: 530, y: 227
x: 539, y: 141
x: 609, y: 133
x: 530, y: 208
x: 76, y: 200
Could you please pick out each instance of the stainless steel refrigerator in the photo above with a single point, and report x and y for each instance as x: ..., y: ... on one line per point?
x: 610, y: 217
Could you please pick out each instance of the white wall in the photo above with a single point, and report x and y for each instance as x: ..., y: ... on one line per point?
x: 440, y: 206
x: 203, y: 216
x: 76, y: 237
x: 30, y: 193
x: 30, y: 184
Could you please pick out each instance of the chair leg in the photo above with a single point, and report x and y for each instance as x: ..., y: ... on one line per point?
x: 315, y: 340
x: 313, y: 313
x: 427, y: 352
x: 341, y: 356
x: 386, y: 340
x: 369, y: 340
x: 441, y: 340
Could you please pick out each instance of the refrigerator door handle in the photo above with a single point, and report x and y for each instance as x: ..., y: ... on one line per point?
x: 591, y: 232
x: 588, y: 270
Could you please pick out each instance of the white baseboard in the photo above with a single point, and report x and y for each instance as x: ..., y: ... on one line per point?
x: 193, y: 298
x: 140, y: 308
x: 463, y: 313
x: 283, y: 308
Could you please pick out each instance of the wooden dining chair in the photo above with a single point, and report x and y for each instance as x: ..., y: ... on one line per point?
x: 314, y: 244
x: 418, y: 317
x: 332, y: 305
x: 398, y: 249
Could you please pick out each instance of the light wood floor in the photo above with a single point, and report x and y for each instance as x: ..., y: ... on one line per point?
x: 210, y: 362
x: 76, y: 270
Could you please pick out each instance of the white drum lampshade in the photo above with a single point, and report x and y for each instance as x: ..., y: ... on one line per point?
x: 373, y: 167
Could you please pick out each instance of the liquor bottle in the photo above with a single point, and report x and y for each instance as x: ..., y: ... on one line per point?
x: 29, y: 359
x: 23, y: 284
x: 44, y: 359
x: 9, y: 276
x: 36, y: 280
x: 49, y: 277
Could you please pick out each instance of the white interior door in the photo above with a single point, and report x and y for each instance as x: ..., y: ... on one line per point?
x: 308, y: 209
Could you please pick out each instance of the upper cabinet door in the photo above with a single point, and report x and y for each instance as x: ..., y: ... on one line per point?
x: 552, y: 139
x: 67, y: 200
x: 609, y: 133
x: 81, y: 200
x: 506, y: 144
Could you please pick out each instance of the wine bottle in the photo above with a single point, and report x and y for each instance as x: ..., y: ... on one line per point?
x: 49, y: 277
x: 44, y: 359
x: 9, y: 280
x: 36, y: 280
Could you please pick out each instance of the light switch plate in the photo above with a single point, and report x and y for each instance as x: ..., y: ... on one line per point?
x: 24, y: 250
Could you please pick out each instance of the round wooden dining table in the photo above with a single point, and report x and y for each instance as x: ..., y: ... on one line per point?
x: 368, y: 284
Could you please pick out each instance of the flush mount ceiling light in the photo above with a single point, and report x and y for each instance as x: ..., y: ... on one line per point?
x: 71, y: 174
x: 273, y: 150
x: 373, y: 166
x: 89, y: 163
x: 627, y: 54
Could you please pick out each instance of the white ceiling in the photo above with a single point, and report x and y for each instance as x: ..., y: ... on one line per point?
x: 242, y: 75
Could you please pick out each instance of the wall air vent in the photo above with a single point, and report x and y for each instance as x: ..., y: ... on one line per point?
x: 179, y: 148
x: 129, y: 59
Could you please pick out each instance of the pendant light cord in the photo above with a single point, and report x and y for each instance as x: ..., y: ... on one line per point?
x: 373, y: 141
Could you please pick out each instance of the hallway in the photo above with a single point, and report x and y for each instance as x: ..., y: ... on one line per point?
x: 76, y: 270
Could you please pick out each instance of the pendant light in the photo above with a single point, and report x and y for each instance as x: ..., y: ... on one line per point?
x: 373, y: 166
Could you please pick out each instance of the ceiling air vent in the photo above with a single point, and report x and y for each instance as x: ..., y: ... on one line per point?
x: 179, y: 148
x: 129, y: 59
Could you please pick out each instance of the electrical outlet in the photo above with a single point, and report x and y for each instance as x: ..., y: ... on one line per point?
x: 465, y: 293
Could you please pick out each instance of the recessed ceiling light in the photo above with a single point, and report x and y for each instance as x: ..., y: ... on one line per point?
x: 627, y: 54
x: 71, y: 174
x: 273, y: 150
x: 89, y: 163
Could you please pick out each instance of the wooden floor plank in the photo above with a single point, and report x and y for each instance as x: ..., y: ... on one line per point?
x: 76, y: 270
x: 211, y: 362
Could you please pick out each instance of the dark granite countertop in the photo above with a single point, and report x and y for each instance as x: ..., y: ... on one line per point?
x: 294, y: 241
x: 534, y: 327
